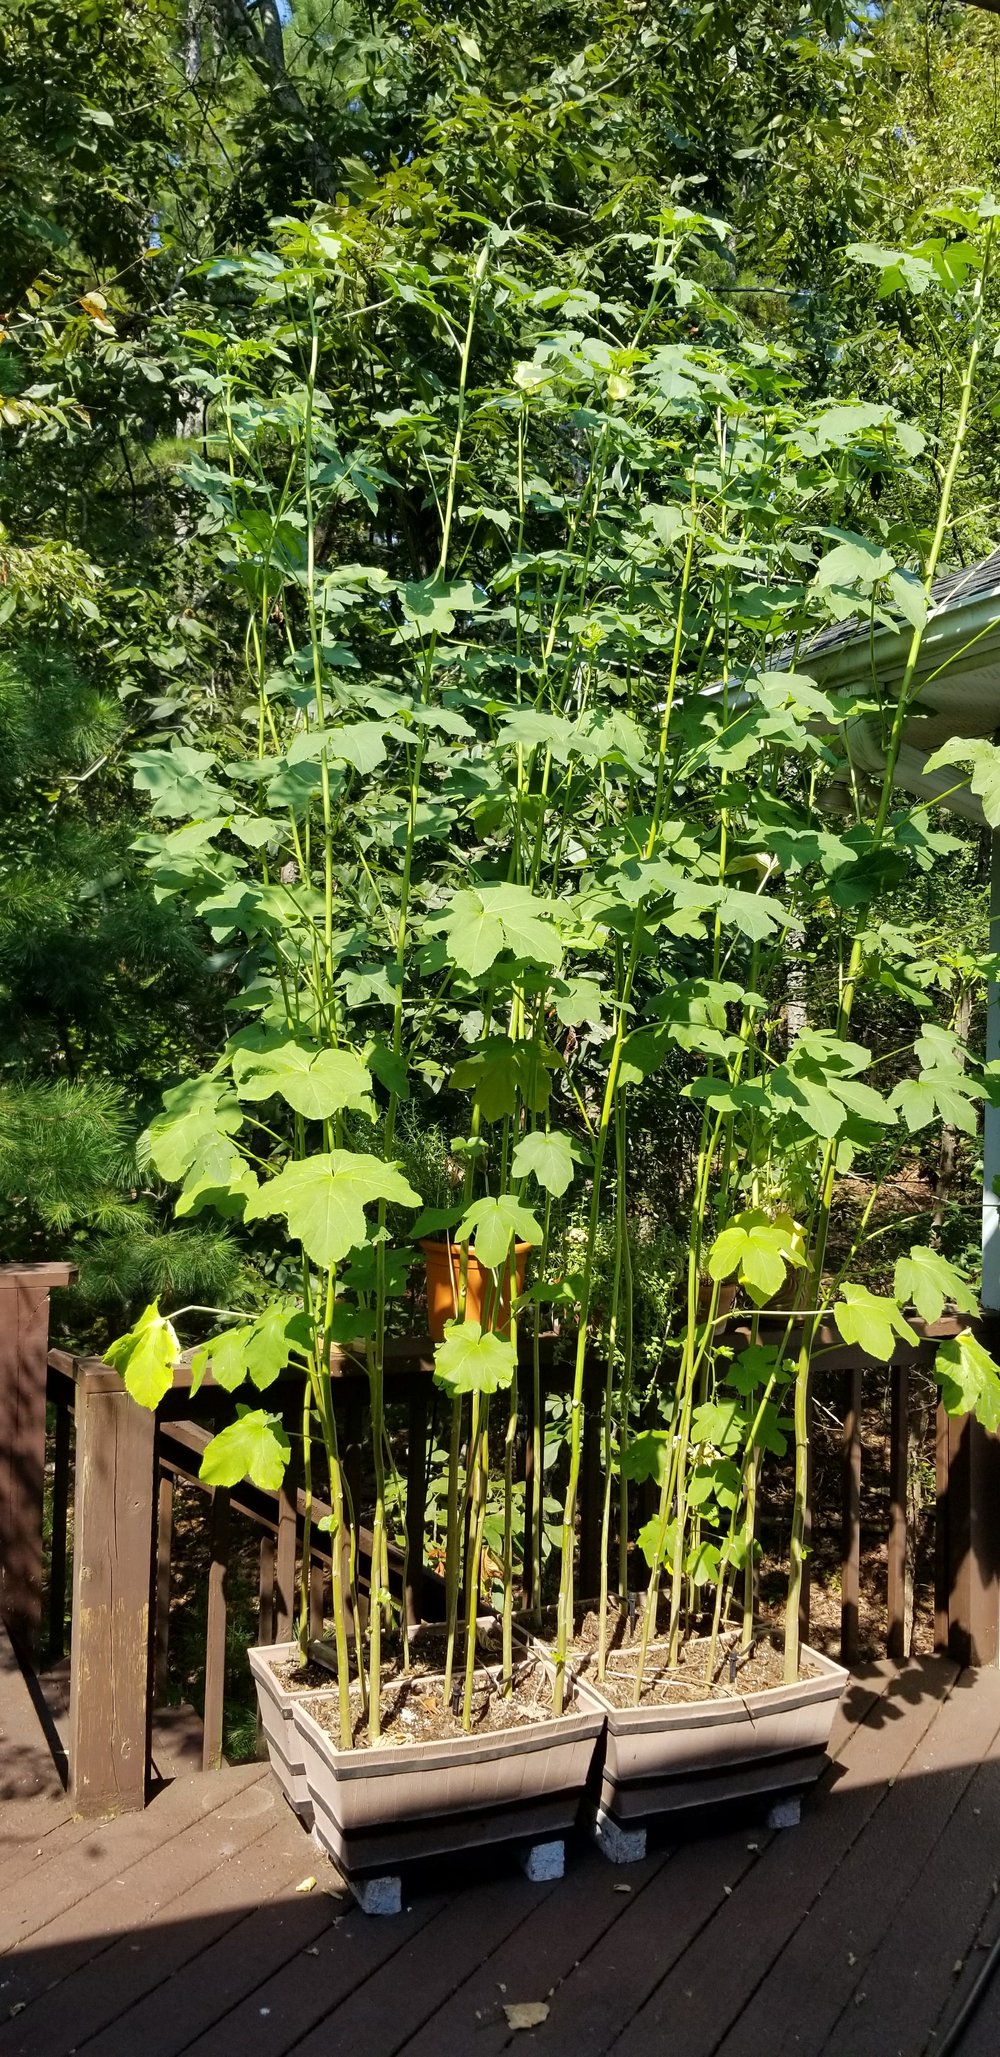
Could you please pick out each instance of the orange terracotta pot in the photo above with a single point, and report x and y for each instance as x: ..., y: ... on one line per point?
x: 727, y: 1297
x: 485, y: 1301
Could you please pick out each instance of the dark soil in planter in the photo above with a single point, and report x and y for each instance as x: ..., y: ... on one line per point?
x: 663, y: 1684
x: 427, y: 1655
x: 412, y: 1712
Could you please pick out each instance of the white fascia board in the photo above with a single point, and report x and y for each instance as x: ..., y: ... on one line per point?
x: 969, y: 632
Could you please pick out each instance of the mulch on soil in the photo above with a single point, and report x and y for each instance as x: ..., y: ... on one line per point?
x: 412, y: 1710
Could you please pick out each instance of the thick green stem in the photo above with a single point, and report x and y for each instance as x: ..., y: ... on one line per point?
x: 609, y: 1386
x: 452, y: 1551
x: 479, y: 1463
x: 901, y: 712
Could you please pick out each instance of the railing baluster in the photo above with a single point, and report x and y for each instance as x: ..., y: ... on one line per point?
x: 164, y: 1546
x: 215, y: 1635
x: 942, y: 1566
x: 317, y: 1583
x: 850, y: 1550
x: 60, y: 1524
x: 416, y: 1497
x: 266, y: 1633
x: 898, y: 1455
x: 265, y: 1627
x: 285, y: 1556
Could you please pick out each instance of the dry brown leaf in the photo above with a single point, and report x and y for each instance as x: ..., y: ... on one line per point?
x: 527, y: 2013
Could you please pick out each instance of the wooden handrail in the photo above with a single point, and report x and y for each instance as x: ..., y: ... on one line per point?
x: 126, y: 1463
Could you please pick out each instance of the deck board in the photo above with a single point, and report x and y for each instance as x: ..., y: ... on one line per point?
x: 931, y: 1926
x: 547, y: 1952
x: 181, y: 1932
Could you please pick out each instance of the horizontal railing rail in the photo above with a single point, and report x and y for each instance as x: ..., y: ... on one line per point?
x: 114, y: 1470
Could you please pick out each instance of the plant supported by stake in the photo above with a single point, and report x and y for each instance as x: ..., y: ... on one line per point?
x: 524, y: 814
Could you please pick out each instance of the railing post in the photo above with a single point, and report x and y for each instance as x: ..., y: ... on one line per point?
x: 967, y: 1541
x: 114, y: 1530
x: 24, y: 1349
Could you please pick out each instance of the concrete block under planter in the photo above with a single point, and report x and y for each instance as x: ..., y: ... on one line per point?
x: 374, y: 1809
x: 667, y: 1758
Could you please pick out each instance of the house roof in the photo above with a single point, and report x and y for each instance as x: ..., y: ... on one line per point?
x: 958, y: 679
x: 952, y: 589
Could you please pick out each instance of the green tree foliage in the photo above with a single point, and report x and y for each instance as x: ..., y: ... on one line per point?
x: 145, y: 141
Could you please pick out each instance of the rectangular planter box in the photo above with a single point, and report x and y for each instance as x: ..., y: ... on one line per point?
x: 374, y: 1809
x: 662, y: 1759
x: 276, y: 1702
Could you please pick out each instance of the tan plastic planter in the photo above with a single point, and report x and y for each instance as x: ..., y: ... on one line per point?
x: 374, y: 1809
x: 661, y: 1759
x: 276, y: 1702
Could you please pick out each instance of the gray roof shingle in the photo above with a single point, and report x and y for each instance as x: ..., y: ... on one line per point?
x: 952, y: 589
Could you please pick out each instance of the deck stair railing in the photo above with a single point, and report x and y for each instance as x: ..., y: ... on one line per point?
x: 114, y: 1468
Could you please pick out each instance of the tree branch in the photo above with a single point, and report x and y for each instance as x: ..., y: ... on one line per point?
x: 264, y: 52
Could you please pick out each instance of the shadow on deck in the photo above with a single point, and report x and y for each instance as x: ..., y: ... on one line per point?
x: 186, y: 1928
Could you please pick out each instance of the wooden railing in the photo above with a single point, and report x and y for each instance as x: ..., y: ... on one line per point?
x: 114, y: 1469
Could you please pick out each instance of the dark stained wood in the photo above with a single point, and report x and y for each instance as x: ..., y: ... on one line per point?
x: 266, y: 1617
x: 385, y: 2014
x: 164, y: 1546
x: 247, y: 1944
x: 931, y: 1925
x: 360, y: 1960
x: 712, y: 1985
x: 114, y: 1532
x: 983, y: 1571
x: 27, y: 1768
x: 286, y: 1555
x: 317, y: 1589
x: 254, y: 1921
x: 591, y: 1478
x: 182, y: 1929
x: 850, y: 1549
x: 942, y: 1578
x: 570, y: 1928
x: 899, y: 1437
x: 829, y: 1952
x: 215, y: 1633
x: 192, y: 1879
x: 62, y: 1445
x: 24, y: 1342
x: 981, y: 2036
x: 83, y: 1859
x: 416, y: 1499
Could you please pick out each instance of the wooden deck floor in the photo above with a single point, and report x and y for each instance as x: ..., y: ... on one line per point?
x: 184, y: 1929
